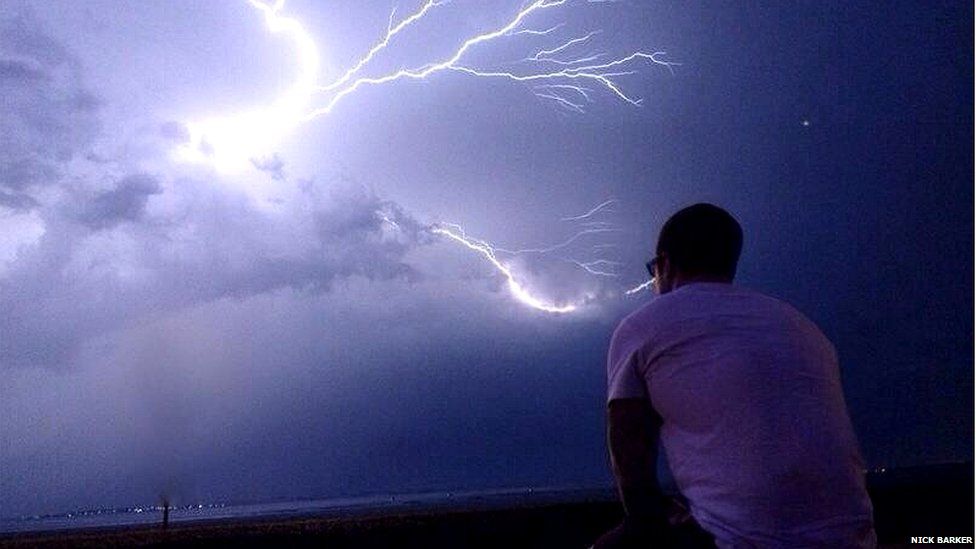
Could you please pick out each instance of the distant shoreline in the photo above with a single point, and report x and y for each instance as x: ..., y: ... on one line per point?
x: 433, y: 528
x: 354, y: 507
x: 930, y: 500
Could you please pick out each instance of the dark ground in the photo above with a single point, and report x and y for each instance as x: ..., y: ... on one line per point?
x: 930, y: 501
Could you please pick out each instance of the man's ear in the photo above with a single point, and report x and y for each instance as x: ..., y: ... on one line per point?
x: 667, y: 267
x: 666, y: 276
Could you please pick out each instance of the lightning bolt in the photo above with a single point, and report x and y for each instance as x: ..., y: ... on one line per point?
x: 234, y: 142
x: 596, y: 267
x: 560, y: 245
x: 538, y: 32
x: 546, y: 55
x: 603, y: 206
x: 640, y: 287
x: 487, y: 251
x: 601, y: 267
x: 231, y: 142
x: 382, y: 44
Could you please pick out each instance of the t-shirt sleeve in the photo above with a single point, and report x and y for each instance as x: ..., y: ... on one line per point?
x: 623, y: 377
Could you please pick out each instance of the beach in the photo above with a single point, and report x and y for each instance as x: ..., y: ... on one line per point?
x: 920, y: 501
x: 559, y: 525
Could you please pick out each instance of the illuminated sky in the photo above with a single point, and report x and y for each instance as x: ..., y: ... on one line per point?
x: 298, y: 324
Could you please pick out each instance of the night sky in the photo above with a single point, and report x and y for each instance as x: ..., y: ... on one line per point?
x: 291, y: 327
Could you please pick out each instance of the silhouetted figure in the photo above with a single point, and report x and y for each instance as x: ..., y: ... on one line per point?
x: 165, y: 512
x: 743, y: 393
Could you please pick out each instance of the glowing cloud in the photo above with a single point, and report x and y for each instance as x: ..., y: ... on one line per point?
x: 234, y: 142
x: 231, y: 142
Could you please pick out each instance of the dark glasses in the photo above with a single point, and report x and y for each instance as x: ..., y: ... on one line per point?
x: 653, y: 265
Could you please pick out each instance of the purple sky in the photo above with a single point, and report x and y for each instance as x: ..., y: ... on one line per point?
x: 267, y: 332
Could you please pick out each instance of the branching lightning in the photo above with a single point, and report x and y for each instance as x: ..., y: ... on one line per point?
x: 606, y: 205
x: 601, y: 73
x: 546, y: 55
x: 553, y: 73
x: 456, y: 234
x: 230, y: 142
x: 601, y: 267
x: 560, y: 245
x: 538, y: 32
x: 392, y: 30
x: 598, y: 267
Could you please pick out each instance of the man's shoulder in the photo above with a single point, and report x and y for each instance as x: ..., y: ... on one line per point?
x: 690, y: 297
x: 743, y: 296
x: 632, y: 331
x: 650, y: 318
x: 784, y: 315
x: 644, y: 315
x: 787, y: 310
x: 695, y: 299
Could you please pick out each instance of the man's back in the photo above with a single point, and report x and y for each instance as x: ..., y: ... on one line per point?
x: 754, y: 422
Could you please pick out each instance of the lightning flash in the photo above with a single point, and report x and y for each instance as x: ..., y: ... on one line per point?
x: 566, y: 72
x: 231, y: 143
x: 456, y: 234
x: 496, y: 256
x: 556, y: 73
x: 647, y: 285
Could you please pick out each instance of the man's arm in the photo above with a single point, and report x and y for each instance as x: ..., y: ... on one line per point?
x: 632, y: 434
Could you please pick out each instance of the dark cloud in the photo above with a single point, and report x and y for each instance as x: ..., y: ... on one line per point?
x: 175, y: 131
x: 83, y: 101
x: 21, y: 170
x: 126, y: 202
x: 75, y: 285
x: 20, y: 71
x: 235, y: 384
x: 21, y: 34
x: 210, y: 340
x: 97, y: 158
x: 272, y: 165
x: 16, y: 200
x: 48, y: 114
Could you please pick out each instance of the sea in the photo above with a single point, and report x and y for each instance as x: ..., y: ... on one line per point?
x: 324, y: 508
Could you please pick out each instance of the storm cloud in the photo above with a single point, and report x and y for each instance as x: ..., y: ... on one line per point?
x: 48, y: 114
x: 125, y: 202
x: 115, y: 249
x: 295, y: 329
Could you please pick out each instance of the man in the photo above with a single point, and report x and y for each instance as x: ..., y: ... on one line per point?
x: 743, y: 392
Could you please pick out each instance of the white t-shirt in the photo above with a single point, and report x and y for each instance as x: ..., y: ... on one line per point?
x: 754, y: 427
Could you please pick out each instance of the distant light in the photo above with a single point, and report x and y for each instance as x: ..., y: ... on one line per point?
x: 805, y: 123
